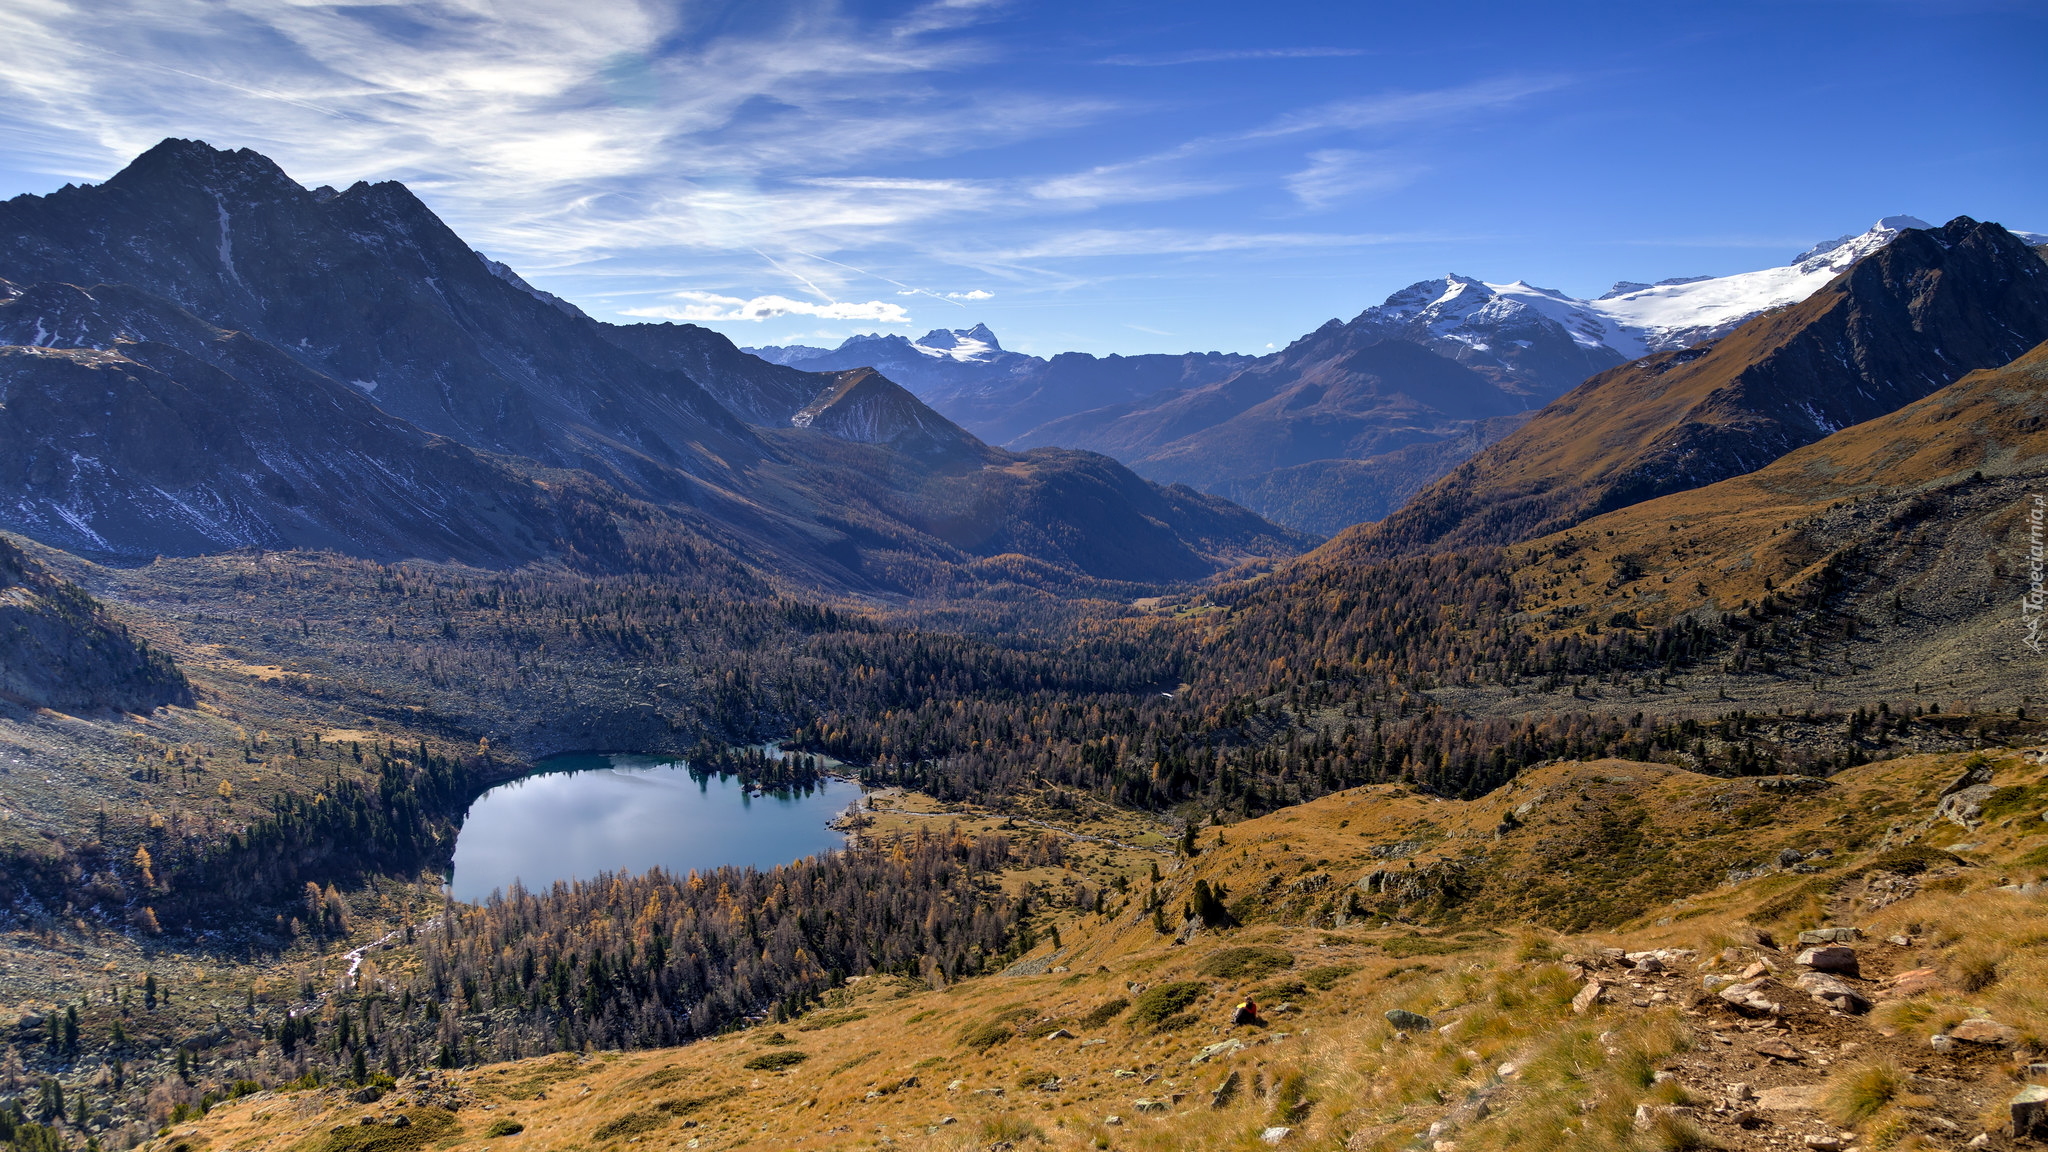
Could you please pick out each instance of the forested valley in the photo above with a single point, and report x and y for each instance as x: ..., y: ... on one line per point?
x: 1206, y: 707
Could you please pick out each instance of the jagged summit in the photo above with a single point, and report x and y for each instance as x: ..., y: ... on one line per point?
x: 974, y: 344
x: 195, y: 161
x: 201, y: 354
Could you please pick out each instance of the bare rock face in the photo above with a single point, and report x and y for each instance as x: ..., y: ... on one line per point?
x: 866, y: 407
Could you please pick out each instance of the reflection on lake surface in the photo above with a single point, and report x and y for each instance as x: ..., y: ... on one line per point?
x: 587, y: 814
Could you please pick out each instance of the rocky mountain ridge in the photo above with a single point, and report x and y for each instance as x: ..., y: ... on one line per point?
x: 1900, y: 324
x: 1270, y: 432
x: 999, y: 395
x: 460, y: 405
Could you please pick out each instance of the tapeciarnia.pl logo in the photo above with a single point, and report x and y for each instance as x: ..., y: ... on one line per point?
x: 2035, y: 602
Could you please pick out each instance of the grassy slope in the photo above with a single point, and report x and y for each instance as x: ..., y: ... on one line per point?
x: 1921, y: 512
x: 889, y: 1062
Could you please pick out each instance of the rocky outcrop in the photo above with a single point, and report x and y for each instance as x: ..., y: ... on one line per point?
x: 59, y: 648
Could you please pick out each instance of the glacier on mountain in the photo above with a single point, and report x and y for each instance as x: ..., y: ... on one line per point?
x: 1632, y: 319
x: 976, y: 345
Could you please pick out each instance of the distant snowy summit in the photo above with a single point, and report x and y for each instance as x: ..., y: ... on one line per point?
x: 1533, y: 344
x: 1464, y: 316
x: 976, y: 345
x: 1532, y: 341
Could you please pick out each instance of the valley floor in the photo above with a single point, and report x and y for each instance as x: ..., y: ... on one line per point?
x: 1676, y: 1015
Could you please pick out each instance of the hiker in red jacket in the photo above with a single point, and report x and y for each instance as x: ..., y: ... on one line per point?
x: 1247, y: 1013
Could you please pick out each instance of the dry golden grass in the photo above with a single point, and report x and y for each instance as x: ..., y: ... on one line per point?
x: 893, y: 1059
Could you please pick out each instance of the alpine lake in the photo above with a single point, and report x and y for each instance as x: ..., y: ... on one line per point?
x: 588, y: 813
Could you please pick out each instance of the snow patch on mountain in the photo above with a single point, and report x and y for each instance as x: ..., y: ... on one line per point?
x: 1671, y: 315
x: 976, y: 345
x: 1632, y: 319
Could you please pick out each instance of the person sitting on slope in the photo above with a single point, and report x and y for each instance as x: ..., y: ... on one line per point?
x: 1247, y: 1013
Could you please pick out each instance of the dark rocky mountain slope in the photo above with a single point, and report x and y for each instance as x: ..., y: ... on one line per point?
x: 154, y: 433
x: 59, y: 649
x: 1903, y: 322
x: 1343, y: 391
x: 454, y: 407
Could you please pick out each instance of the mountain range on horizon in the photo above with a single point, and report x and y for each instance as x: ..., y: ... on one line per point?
x: 1318, y: 443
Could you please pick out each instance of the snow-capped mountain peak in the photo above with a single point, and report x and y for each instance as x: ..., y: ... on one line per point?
x: 1843, y: 251
x: 974, y: 345
x: 1678, y: 314
x: 1525, y: 332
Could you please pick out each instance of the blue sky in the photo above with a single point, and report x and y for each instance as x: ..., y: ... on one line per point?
x: 1111, y: 176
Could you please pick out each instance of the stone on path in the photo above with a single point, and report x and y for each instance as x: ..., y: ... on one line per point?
x: 1791, y: 1098
x: 1588, y: 996
x: 1980, y: 1031
x: 1830, y: 958
x: 2030, y: 1112
x: 1834, y: 992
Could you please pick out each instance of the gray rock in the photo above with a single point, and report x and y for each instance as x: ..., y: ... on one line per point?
x: 2030, y: 1112
x: 1987, y: 1032
x: 1408, y: 1021
x: 1830, y: 958
x: 1751, y: 995
x: 1647, y: 1115
x: 1829, y: 936
x: 1834, y: 992
x: 1226, y: 1091
x: 1593, y: 993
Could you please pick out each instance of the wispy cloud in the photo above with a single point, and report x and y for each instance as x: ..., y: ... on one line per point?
x: 1179, y: 171
x: 800, y: 160
x: 1337, y: 174
x: 541, y: 129
x: 711, y: 306
x: 1096, y: 242
x: 1407, y: 109
x: 1222, y: 55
